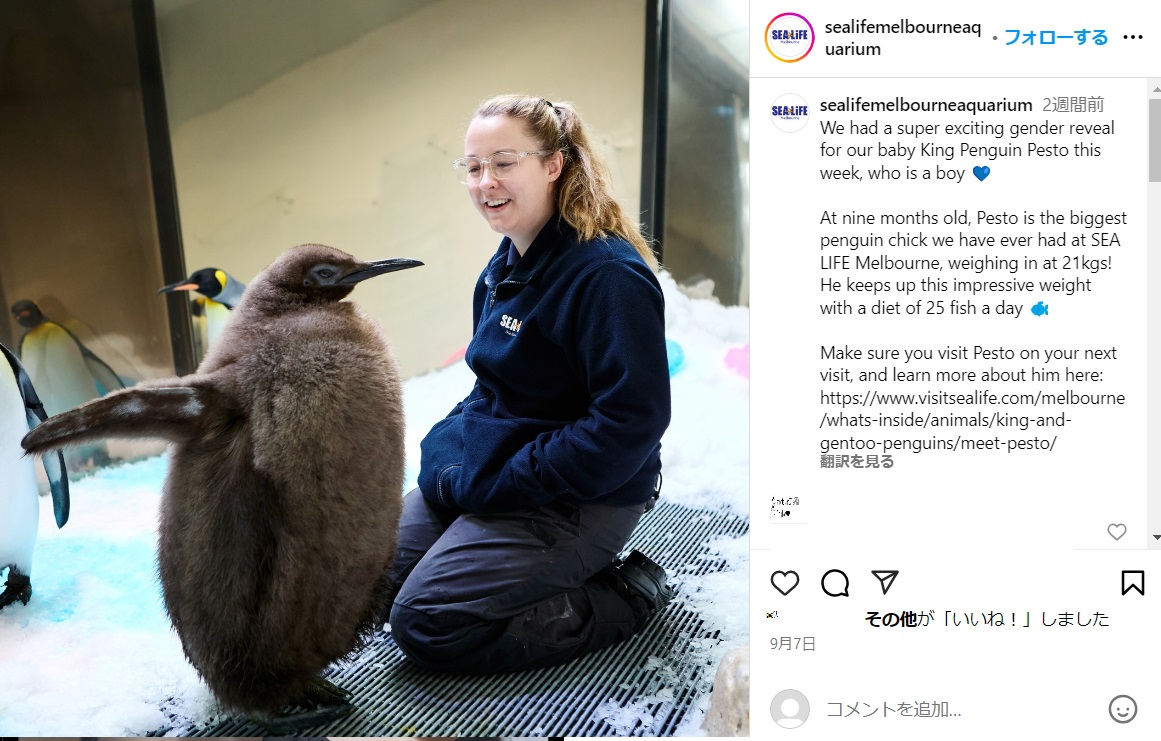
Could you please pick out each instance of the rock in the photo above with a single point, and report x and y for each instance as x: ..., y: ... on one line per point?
x: 729, y: 709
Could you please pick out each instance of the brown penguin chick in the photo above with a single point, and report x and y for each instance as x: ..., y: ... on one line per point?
x: 281, y: 504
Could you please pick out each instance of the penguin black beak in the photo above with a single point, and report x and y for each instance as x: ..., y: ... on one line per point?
x: 378, y: 267
x: 181, y: 285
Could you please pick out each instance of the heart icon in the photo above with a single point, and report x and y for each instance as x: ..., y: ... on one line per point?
x: 1117, y: 530
x: 784, y: 581
x: 982, y: 172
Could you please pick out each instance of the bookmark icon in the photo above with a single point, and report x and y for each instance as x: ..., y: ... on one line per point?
x: 1132, y: 581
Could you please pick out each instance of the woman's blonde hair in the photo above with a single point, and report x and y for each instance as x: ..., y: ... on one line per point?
x: 584, y: 195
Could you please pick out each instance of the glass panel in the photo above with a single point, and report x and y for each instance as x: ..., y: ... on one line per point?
x: 707, y: 165
x: 77, y: 234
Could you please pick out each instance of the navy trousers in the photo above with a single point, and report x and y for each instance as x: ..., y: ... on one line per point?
x: 485, y: 594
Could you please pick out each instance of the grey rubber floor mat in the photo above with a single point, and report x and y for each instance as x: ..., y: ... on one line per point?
x: 643, y: 687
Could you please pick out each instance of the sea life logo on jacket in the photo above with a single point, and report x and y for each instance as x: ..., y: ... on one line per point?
x: 789, y: 37
x: 511, y: 324
x: 790, y: 112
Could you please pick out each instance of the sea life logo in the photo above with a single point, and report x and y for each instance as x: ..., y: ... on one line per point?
x: 790, y: 112
x: 789, y: 37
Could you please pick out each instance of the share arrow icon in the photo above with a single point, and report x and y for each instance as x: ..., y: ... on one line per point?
x: 886, y: 578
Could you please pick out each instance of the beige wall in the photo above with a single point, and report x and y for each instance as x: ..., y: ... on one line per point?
x: 354, y: 147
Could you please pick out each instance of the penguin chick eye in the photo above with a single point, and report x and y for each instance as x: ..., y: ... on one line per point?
x: 323, y: 275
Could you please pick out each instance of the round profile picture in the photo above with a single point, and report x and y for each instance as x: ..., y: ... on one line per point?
x: 789, y: 112
x: 789, y: 708
x: 789, y: 37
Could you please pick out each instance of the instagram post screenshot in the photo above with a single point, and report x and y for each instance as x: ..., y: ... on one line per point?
x: 953, y: 217
x: 653, y: 368
x: 374, y: 368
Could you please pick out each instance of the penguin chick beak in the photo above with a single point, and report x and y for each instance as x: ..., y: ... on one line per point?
x: 179, y: 286
x: 378, y: 267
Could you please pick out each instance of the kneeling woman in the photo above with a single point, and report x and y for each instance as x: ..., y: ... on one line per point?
x: 531, y: 486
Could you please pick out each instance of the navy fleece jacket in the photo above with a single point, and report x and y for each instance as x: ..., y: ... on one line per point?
x: 572, y: 383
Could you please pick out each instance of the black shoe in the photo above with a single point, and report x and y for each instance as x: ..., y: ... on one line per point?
x: 644, y: 580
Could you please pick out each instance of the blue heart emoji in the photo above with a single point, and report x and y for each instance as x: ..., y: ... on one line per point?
x: 982, y: 172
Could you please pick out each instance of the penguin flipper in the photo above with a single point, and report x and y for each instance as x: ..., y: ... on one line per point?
x: 104, y: 376
x: 54, y: 465
x: 58, y: 485
x: 173, y: 413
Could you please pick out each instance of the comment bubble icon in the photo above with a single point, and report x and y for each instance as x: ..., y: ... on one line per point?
x: 836, y: 584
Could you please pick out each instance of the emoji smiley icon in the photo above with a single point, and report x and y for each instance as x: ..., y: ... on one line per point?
x: 1123, y: 708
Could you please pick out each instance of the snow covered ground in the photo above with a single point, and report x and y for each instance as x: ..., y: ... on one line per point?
x: 93, y: 653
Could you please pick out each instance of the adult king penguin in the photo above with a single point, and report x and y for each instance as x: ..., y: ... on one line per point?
x: 280, y: 508
x: 20, y: 411
x: 220, y: 293
x: 65, y: 372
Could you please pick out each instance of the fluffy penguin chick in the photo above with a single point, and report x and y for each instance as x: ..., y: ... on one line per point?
x: 280, y: 508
